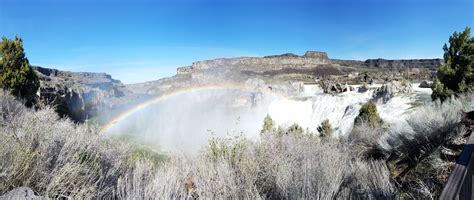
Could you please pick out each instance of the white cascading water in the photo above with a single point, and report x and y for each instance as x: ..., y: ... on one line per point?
x: 185, y: 122
x: 314, y: 106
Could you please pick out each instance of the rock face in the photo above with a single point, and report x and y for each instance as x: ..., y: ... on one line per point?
x: 79, y: 95
x: 390, y: 89
x: 362, y: 88
x: 401, y: 64
x: 391, y: 64
x: 333, y: 87
x: 21, y: 193
x: 426, y: 84
x: 261, y: 64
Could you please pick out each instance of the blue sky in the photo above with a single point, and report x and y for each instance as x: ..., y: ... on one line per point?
x: 141, y: 40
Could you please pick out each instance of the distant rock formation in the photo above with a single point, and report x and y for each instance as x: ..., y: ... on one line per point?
x: 78, y: 95
x: 314, y: 63
x: 391, y: 64
x: 260, y: 64
x: 317, y: 55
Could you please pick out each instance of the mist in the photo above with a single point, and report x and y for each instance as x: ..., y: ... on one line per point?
x: 185, y: 122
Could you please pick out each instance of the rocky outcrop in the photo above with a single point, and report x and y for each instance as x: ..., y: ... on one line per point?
x: 261, y: 64
x: 317, y: 55
x: 21, y: 193
x: 426, y: 84
x: 334, y: 87
x: 362, y: 88
x: 403, y: 64
x: 79, y: 95
x: 388, y: 90
x: 391, y: 64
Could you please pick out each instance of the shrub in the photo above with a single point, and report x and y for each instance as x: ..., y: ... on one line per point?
x: 268, y: 125
x: 368, y: 113
x: 325, y: 129
x: 364, y: 140
x: 295, y: 129
x: 230, y: 149
x: 16, y: 75
x: 456, y: 76
x: 417, y: 160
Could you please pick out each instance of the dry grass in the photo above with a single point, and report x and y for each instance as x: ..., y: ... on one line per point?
x: 413, y: 152
x: 54, y: 156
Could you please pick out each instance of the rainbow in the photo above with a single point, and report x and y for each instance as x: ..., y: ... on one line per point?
x: 180, y: 91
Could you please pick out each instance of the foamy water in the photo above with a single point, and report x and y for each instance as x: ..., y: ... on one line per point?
x: 309, y: 111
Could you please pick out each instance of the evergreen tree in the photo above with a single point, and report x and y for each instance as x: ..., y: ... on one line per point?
x: 16, y: 75
x: 456, y: 76
x: 368, y: 113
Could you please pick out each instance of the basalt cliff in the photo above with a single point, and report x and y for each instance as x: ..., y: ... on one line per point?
x: 80, y: 95
x: 283, y: 71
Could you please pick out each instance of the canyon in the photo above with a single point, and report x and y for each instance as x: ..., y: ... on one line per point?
x: 82, y: 95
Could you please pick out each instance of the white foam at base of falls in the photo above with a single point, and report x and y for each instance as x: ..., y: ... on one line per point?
x: 340, y: 110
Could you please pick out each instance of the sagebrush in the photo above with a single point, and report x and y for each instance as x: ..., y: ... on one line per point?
x: 58, y: 158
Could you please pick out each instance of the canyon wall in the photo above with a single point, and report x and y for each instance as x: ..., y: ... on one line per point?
x: 309, y: 60
x: 261, y: 64
x: 391, y: 64
x: 79, y: 95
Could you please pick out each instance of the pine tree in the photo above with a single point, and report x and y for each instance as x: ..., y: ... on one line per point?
x: 456, y: 76
x: 16, y: 75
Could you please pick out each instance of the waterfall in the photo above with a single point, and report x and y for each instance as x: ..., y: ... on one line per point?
x: 185, y: 122
x: 341, y: 110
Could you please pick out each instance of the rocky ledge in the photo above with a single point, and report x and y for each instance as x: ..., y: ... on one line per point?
x: 79, y: 95
x: 391, y: 64
x: 261, y: 64
x: 309, y: 60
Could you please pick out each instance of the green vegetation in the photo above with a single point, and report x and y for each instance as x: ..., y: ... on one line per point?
x: 231, y: 149
x: 139, y: 149
x: 16, y: 75
x: 325, y: 129
x: 456, y: 76
x: 268, y: 125
x: 140, y: 153
x: 295, y: 129
x: 368, y: 114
